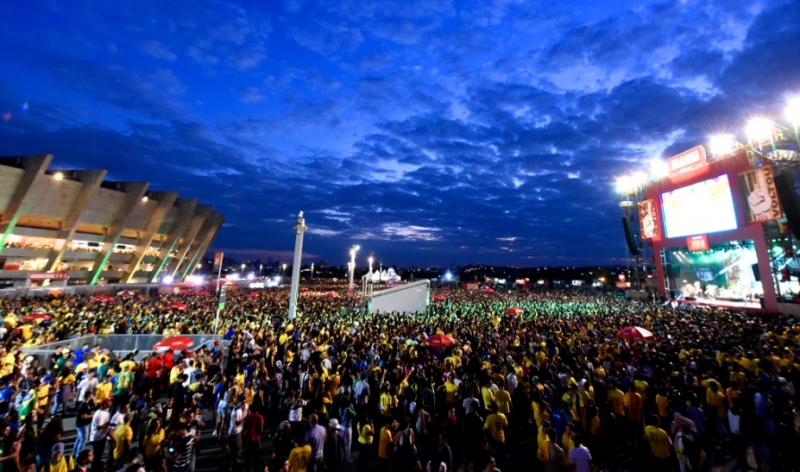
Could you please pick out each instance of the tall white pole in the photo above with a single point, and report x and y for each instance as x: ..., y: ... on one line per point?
x: 299, y: 229
x: 352, y: 265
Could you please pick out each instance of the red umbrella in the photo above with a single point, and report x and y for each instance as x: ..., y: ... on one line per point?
x: 252, y: 294
x: 36, y: 317
x: 488, y: 289
x: 178, y: 306
x: 174, y: 343
x: 125, y: 293
x: 514, y: 311
x: 303, y: 288
x: 440, y: 340
x: 439, y: 298
x: 634, y: 333
x: 103, y: 298
x: 333, y: 295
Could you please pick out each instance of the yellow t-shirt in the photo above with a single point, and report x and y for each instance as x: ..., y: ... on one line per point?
x: 503, y: 400
x: 365, y: 434
x: 386, y: 404
x: 488, y: 397
x: 383, y: 443
x: 566, y: 441
x: 43, y: 393
x: 659, y: 441
x: 122, y: 435
x: 299, y: 458
x: 496, y: 423
x: 102, y: 391
x: 663, y: 405
x: 615, y: 397
x: 451, y: 389
x: 152, y: 443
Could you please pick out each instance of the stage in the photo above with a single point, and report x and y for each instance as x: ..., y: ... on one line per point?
x: 721, y: 303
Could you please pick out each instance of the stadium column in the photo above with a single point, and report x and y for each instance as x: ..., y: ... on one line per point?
x: 201, y: 214
x: 165, y: 202
x: 33, y: 167
x: 186, y: 209
x: 205, y: 241
x: 90, y: 180
x: 194, y: 246
x: 134, y: 191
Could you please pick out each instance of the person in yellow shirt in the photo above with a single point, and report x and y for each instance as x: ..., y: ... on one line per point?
x: 617, y: 400
x: 300, y: 456
x: 662, y: 403
x: 152, y: 444
x: 566, y: 440
x: 123, y: 435
x: 487, y: 395
x: 103, y: 390
x: 503, y: 400
x: 451, y: 390
x: 659, y: 441
x: 366, y: 433
x: 385, y: 439
x: 496, y: 423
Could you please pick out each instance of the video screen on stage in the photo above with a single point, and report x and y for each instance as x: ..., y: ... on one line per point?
x: 701, y: 208
x: 723, y: 275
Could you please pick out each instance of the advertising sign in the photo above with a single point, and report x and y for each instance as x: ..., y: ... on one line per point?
x: 759, y: 195
x: 49, y: 276
x: 217, y: 259
x: 697, y: 243
x: 687, y: 161
x: 648, y: 224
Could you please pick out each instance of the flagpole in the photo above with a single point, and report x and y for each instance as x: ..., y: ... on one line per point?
x: 219, y: 274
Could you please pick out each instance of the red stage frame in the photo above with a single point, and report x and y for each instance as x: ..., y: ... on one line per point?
x: 732, y: 166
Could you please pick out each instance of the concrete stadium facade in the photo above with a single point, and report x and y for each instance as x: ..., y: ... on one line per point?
x: 90, y: 231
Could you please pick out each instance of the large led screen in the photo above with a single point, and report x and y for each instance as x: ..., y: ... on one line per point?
x: 701, y: 208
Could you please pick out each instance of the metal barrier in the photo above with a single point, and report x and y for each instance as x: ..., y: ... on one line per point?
x: 121, y: 344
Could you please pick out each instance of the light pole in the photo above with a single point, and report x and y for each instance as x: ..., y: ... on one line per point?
x: 243, y: 266
x: 260, y: 267
x: 283, y: 274
x: 299, y: 229
x: 370, y: 259
x: 312, y: 273
x: 352, y: 264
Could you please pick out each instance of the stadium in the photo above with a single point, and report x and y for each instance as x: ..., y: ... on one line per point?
x: 73, y: 227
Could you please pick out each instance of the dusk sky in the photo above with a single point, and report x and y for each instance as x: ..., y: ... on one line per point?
x: 430, y: 132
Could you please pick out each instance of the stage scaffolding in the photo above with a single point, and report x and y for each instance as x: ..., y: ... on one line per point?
x: 639, y: 268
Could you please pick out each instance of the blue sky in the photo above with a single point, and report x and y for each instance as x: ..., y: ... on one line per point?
x: 429, y: 132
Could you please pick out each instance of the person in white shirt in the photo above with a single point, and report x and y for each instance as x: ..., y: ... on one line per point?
x: 98, y: 433
x: 235, y: 432
x: 87, y: 384
x: 579, y: 457
x: 511, y: 383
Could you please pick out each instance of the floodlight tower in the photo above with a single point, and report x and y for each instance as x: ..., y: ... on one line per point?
x: 300, y: 228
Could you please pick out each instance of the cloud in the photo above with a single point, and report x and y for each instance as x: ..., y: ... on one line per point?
x: 157, y: 50
x: 250, y: 95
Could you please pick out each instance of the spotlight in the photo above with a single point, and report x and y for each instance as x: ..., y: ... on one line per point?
x: 722, y: 144
x: 759, y: 130
x: 168, y: 279
x: 793, y: 111
x: 145, y: 198
x: 58, y: 176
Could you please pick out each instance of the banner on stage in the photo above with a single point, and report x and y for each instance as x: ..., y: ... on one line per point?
x: 648, y: 223
x: 759, y: 195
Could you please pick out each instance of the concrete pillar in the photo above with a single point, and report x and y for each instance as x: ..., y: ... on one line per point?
x: 186, y: 209
x: 91, y: 180
x: 134, y: 191
x: 191, y: 248
x: 191, y: 265
x: 201, y: 213
x: 165, y: 202
x: 34, y: 166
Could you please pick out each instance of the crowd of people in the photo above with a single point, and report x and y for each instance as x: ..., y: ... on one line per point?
x: 551, y: 388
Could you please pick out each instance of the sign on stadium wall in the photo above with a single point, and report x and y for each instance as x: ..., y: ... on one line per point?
x: 49, y: 276
x: 688, y: 161
x: 759, y: 195
x: 648, y: 223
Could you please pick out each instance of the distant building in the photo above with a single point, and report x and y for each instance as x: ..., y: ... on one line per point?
x: 74, y: 227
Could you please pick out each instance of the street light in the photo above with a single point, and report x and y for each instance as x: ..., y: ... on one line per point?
x: 352, y: 265
x: 243, y: 265
x: 370, y: 259
x: 283, y: 274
